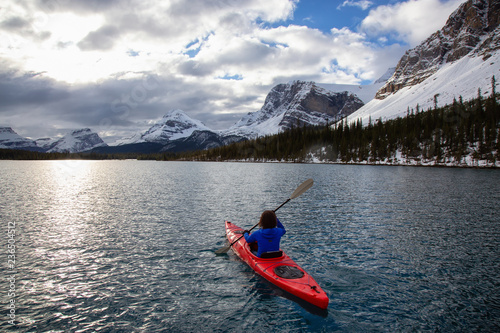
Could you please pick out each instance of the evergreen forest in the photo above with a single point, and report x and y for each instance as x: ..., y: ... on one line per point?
x: 464, y: 133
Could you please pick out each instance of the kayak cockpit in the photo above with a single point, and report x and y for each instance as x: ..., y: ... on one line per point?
x: 272, y: 255
x: 252, y: 250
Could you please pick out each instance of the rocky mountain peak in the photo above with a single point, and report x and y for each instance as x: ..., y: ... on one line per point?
x: 296, y: 103
x: 6, y: 130
x: 9, y: 139
x: 75, y: 141
x: 471, y: 30
x: 175, y: 124
x: 309, y: 97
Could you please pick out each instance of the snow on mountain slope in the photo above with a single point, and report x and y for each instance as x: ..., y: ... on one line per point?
x: 174, y: 125
x: 455, y: 61
x: 460, y: 78
x: 9, y: 139
x: 297, y: 103
x: 76, y: 141
x: 45, y: 143
x: 471, y: 29
x: 365, y: 92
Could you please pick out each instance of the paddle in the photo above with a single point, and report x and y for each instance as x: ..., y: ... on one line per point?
x: 301, y: 189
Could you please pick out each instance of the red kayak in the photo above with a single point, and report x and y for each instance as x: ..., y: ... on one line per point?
x: 279, y: 270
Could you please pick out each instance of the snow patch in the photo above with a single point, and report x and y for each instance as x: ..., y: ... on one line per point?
x: 460, y: 78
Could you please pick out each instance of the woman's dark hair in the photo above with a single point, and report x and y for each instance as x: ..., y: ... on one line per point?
x: 268, y: 220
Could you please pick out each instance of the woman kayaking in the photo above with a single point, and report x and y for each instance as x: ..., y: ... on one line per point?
x: 269, y: 236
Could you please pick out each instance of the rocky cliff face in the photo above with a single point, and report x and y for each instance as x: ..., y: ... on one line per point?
x: 295, y: 104
x: 472, y: 30
x: 308, y: 97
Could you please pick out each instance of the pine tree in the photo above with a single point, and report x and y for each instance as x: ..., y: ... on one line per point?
x: 493, y: 86
x: 436, y: 101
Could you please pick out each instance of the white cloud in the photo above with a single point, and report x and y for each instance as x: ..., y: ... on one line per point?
x: 363, y: 4
x: 96, y: 52
x: 411, y: 21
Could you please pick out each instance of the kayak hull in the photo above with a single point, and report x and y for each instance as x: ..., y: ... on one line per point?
x: 299, y: 283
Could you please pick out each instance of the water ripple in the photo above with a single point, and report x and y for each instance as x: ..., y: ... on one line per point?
x: 129, y: 246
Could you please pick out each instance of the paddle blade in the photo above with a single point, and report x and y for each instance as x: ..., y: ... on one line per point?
x: 302, y: 188
x: 223, y: 249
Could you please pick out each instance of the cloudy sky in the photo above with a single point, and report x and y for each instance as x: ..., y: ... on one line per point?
x: 117, y: 66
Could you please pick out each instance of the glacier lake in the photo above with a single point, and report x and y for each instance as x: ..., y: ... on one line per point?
x: 128, y: 246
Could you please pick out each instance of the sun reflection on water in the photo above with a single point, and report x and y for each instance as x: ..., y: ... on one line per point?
x: 71, y: 204
x: 65, y: 232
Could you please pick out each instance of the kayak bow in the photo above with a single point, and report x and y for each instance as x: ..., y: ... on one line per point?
x: 281, y: 271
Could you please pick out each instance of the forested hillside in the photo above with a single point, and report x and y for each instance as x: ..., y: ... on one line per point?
x: 464, y: 133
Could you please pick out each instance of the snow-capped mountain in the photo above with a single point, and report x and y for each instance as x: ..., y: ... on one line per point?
x: 174, y: 125
x: 383, y: 79
x: 45, y: 143
x: 9, y: 139
x: 200, y: 140
x: 73, y: 142
x: 471, y: 30
x: 286, y: 105
x: 454, y: 62
x: 295, y: 104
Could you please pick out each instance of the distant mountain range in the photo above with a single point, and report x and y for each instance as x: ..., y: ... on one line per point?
x: 296, y: 103
x: 11, y: 140
x: 287, y: 105
x: 455, y: 61
x: 73, y: 142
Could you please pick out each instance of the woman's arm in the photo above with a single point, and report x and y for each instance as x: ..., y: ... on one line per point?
x: 280, y: 225
x: 249, y: 238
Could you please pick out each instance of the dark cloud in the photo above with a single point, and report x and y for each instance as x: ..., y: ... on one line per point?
x: 23, y: 28
x: 39, y: 105
x: 15, y: 23
x: 28, y: 90
x: 102, y: 39
x: 91, y: 6
x: 195, y: 68
x: 36, y: 106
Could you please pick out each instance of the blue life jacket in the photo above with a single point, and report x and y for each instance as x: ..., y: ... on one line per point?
x: 267, y: 239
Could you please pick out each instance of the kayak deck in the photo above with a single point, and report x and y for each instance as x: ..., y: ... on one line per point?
x: 282, y: 271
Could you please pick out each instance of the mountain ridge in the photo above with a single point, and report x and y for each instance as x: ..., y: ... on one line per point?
x: 471, y: 29
x: 175, y: 124
x: 76, y: 141
x: 426, y: 81
x: 9, y: 139
x: 296, y: 103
